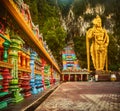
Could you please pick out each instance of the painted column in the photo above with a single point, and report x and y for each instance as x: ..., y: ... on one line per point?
x: 32, y: 81
x: 47, y: 75
x: 5, y: 76
x: 38, y: 83
x: 43, y: 74
x: 26, y: 84
x: 16, y: 42
x: 23, y: 59
x: 6, y: 45
x: 64, y: 61
x: 51, y: 76
x: 6, y: 73
x: 28, y: 62
x: 3, y: 103
x: 19, y: 58
x: 43, y: 78
x: 87, y: 77
x: 81, y: 77
x: 75, y: 77
x: 1, y: 46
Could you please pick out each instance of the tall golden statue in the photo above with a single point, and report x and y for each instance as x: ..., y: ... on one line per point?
x: 98, y: 49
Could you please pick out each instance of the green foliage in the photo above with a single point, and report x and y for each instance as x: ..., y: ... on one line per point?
x: 65, y: 6
x: 88, y: 17
x: 51, y: 2
x: 117, y: 19
x: 113, y: 53
x: 94, y: 2
x: 45, y: 13
x: 33, y: 10
x: 55, y: 36
x: 79, y: 7
x: 80, y: 50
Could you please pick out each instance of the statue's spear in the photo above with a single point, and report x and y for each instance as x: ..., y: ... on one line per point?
x: 88, y: 53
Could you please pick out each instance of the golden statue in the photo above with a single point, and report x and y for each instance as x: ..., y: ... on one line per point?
x: 100, y: 41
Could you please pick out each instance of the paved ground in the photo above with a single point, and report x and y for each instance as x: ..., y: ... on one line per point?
x: 84, y: 96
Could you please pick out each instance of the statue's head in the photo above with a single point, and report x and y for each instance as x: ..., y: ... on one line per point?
x: 97, y: 21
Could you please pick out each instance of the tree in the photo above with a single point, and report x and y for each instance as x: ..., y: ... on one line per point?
x: 80, y: 50
x: 55, y: 35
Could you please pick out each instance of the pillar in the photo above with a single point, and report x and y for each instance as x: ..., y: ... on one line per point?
x: 81, y: 77
x: 6, y: 73
x: 4, y: 42
x: 75, y: 77
x: 32, y: 81
x: 16, y: 42
x: 6, y: 45
x: 1, y: 46
x: 28, y: 62
x: 19, y: 58
x: 87, y: 77
x: 23, y: 60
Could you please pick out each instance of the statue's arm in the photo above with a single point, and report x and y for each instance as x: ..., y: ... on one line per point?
x: 107, y: 38
x: 89, y: 34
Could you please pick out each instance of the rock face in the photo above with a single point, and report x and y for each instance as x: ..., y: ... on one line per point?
x: 77, y: 25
